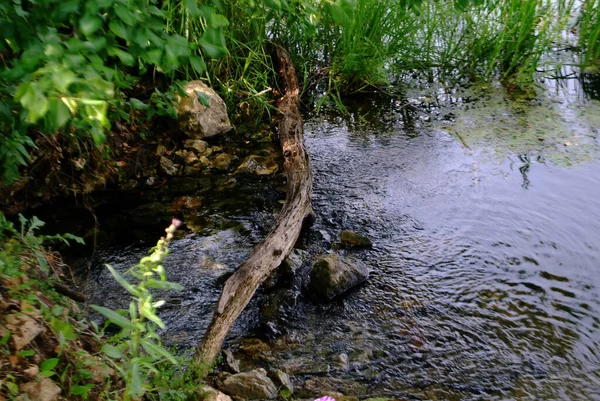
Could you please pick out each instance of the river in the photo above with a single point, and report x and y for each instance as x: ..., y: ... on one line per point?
x: 485, y: 217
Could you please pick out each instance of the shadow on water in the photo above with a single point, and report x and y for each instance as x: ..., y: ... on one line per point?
x: 485, y: 216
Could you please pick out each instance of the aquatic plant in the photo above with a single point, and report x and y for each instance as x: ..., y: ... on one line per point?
x: 589, y: 32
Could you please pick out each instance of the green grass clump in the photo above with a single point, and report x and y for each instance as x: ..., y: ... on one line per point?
x: 589, y: 32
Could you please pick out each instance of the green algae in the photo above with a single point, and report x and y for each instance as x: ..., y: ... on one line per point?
x: 553, y: 127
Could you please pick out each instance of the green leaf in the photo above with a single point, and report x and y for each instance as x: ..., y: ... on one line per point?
x: 125, y: 57
x: 89, y: 24
x: 47, y: 373
x: 58, y: 113
x: 82, y: 390
x: 62, y: 79
x: 136, y: 381
x: 148, y: 314
x: 5, y: 338
x: 164, y: 285
x: 193, y: 9
x: 137, y: 104
x: 63, y: 328
x: 121, y: 280
x: 126, y: 15
x: 49, y: 364
x: 118, y: 29
x: 157, y: 351
x: 342, y: 13
x: 97, y: 135
x: 114, y: 317
x: 111, y: 351
x: 203, y: 98
x: 218, y: 20
x: 272, y: 4
x: 198, y: 64
x: 213, y: 42
x: 26, y: 352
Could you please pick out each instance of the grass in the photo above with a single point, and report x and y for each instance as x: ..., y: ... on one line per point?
x: 589, y: 32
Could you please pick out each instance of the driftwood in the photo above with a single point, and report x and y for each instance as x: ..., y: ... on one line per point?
x: 268, y: 255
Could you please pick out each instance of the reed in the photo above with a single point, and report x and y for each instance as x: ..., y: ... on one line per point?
x: 589, y: 32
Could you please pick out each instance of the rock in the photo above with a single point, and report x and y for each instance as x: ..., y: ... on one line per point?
x: 350, y: 239
x: 223, y: 162
x: 275, y: 307
x: 253, y: 347
x: 257, y: 165
x: 42, y: 390
x: 332, y: 275
x: 197, y: 144
x: 293, y: 262
x: 341, y: 362
x: 32, y: 371
x: 253, y: 385
x: 232, y: 363
x: 23, y: 328
x: 161, y: 150
x: 331, y: 386
x: 167, y: 167
x: 191, y: 171
x: 198, y: 121
x: 203, y: 161
x: 190, y: 158
x: 210, y: 394
x: 282, y: 380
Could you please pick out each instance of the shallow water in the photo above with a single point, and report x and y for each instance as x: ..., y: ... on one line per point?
x: 485, y: 216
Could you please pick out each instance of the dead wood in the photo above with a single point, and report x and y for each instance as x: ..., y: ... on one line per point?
x: 268, y: 255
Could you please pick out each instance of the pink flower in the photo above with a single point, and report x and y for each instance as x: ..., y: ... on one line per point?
x: 326, y: 398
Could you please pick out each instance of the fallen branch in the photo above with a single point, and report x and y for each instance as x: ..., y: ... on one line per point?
x: 268, y: 255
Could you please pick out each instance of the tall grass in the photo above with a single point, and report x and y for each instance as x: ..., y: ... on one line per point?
x: 344, y: 46
x: 589, y: 32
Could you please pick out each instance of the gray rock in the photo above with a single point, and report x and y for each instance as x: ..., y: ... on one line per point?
x: 283, y: 380
x: 161, y: 150
x: 293, y: 262
x: 253, y: 385
x: 23, y: 329
x: 191, y: 171
x: 223, y: 162
x: 351, y: 239
x: 232, y: 363
x: 42, y: 390
x: 198, y: 121
x: 210, y: 394
x: 167, y: 167
x: 333, y: 275
x: 257, y: 165
x: 197, y: 144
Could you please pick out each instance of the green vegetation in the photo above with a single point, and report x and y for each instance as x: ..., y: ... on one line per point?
x: 589, y: 32
x: 79, y: 67
x: 44, y: 333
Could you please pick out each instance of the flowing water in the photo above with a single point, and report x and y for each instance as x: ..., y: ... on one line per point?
x: 485, y: 284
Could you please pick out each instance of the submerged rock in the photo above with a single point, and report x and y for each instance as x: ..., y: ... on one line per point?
x: 257, y: 165
x: 253, y: 385
x: 351, y: 239
x: 199, y: 121
x: 293, y: 262
x: 223, y: 162
x: 333, y: 275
